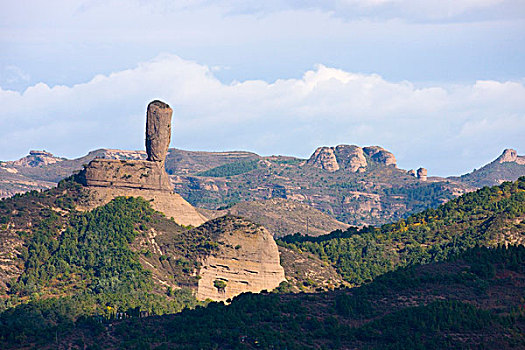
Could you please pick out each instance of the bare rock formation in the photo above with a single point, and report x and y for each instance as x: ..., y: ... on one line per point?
x: 412, y: 172
x: 324, y: 158
x: 380, y: 155
x: 109, y: 178
x: 246, y: 260
x: 169, y: 203
x: 422, y: 174
x: 341, y: 157
x: 351, y: 157
x: 139, y: 174
x: 158, y: 130
x: 35, y: 159
x: 510, y: 155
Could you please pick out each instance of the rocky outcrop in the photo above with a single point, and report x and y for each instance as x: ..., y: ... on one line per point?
x: 380, y: 155
x: 349, y: 157
x: 246, y: 259
x: 35, y: 159
x: 109, y: 178
x: 324, y: 158
x: 422, y: 174
x: 511, y: 155
x: 158, y: 130
x: 137, y: 174
x: 412, y: 172
x: 169, y: 203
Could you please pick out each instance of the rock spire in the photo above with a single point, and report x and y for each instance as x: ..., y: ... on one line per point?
x: 158, y: 130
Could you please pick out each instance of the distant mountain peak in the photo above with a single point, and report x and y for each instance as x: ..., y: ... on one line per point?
x: 511, y: 155
x: 349, y: 157
x: 36, y: 158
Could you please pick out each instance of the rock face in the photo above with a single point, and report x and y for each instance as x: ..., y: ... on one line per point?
x: 324, y: 158
x: 380, y: 155
x: 139, y: 174
x: 246, y: 260
x: 169, y: 203
x: 35, y: 159
x: 510, y: 155
x: 349, y: 157
x: 109, y: 178
x: 422, y: 174
x: 158, y: 130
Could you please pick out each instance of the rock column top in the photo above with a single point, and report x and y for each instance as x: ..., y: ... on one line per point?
x: 158, y: 130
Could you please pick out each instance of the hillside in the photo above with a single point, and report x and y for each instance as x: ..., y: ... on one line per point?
x: 282, y: 217
x: 509, y: 166
x: 366, y: 188
x: 489, y: 217
x: 362, y: 189
x: 357, y: 186
x: 474, y: 300
x: 124, y: 259
x: 49, y: 248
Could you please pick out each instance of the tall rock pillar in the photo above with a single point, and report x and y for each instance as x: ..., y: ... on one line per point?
x: 158, y: 130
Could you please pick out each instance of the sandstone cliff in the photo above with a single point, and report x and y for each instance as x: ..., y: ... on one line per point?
x: 106, y: 179
x: 509, y: 166
x: 246, y: 259
x: 349, y: 157
x: 35, y: 159
x: 511, y: 156
x: 170, y: 204
x: 422, y: 174
x: 324, y: 158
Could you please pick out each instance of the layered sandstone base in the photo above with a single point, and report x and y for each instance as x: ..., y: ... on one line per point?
x: 169, y: 203
x: 247, y: 261
x: 138, y: 174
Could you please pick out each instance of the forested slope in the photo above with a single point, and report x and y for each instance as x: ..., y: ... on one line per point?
x: 489, y: 216
x: 473, y: 300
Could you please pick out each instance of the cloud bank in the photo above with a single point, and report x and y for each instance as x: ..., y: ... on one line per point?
x: 448, y: 129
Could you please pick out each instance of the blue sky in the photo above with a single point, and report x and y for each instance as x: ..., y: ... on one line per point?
x: 441, y: 84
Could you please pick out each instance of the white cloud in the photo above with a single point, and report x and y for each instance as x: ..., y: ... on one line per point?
x: 410, y: 10
x: 447, y: 129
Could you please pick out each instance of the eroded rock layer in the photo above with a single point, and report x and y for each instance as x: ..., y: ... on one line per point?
x: 349, y: 157
x: 169, y: 203
x: 158, y: 130
x: 109, y: 178
x: 138, y: 174
x: 246, y: 260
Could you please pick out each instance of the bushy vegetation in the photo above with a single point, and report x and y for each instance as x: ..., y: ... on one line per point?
x: 80, y: 275
x: 433, y: 235
x: 375, y: 316
x: 231, y: 169
x: 84, y: 267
